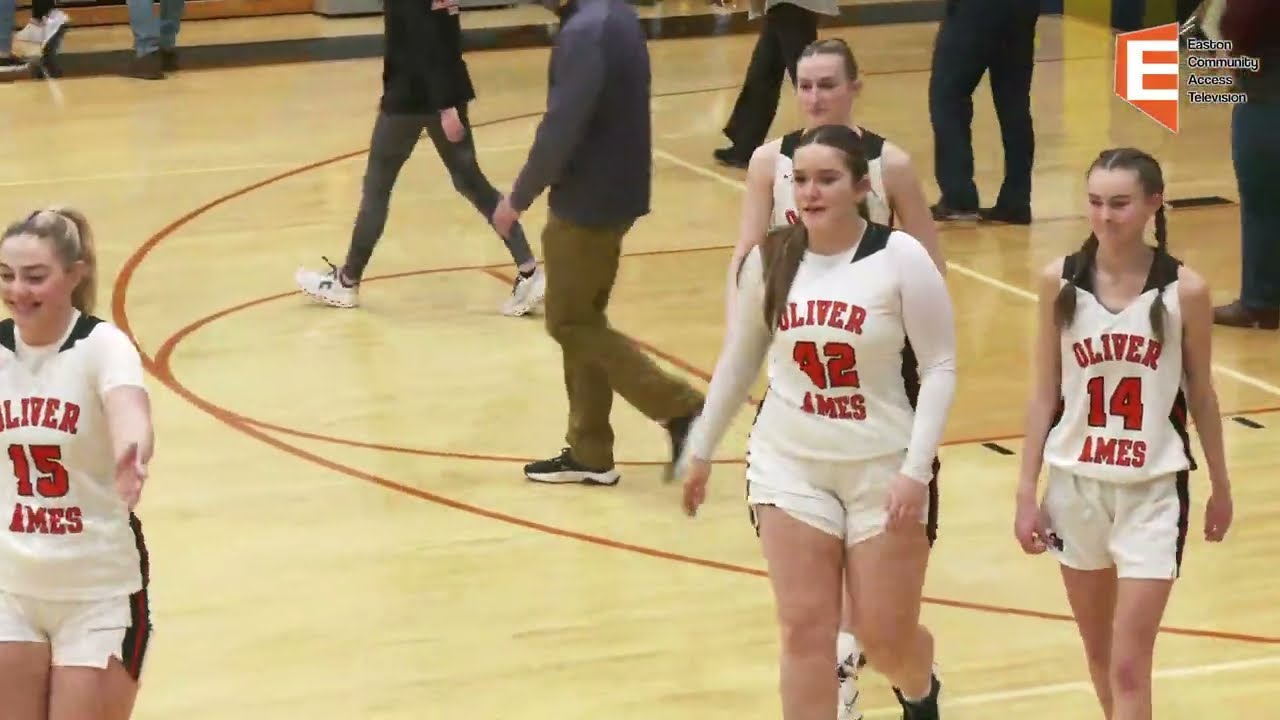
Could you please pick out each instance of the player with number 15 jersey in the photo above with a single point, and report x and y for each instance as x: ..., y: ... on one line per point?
x: 76, y: 436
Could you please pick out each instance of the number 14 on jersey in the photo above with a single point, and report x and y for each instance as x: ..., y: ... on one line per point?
x: 1122, y: 401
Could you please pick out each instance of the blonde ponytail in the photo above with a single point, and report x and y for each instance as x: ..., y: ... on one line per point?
x: 85, y: 295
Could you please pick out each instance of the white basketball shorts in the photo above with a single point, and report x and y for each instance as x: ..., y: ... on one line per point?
x: 1138, y: 528
x: 81, y: 634
x: 844, y: 499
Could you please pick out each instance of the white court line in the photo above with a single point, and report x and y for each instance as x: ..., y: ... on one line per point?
x: 1083, y: 687
x: 1232, y: 373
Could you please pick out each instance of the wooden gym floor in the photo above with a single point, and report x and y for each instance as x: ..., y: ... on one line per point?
x: 337, y: 519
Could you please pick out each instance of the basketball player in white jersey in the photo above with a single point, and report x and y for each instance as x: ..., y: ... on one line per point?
x: 1123, y: 354
x: 841, y: 460
x: 75, y: 426
x: 827, y: 82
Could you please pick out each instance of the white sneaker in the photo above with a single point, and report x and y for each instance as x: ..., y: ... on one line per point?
x: 526, y: 294
x: 53, y: 26
x: 42, y: 33
x: 326, y: 287
x: 33, y: 33
x: 847, y: 671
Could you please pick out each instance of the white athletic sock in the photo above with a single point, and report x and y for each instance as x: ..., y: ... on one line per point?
x: 846, y: 645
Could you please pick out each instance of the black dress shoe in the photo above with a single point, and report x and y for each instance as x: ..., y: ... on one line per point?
x: 945, y: 213
x: 146, y: 67
x: 1005, y: 216
x: 1237, y: 314
x: 731, y: 157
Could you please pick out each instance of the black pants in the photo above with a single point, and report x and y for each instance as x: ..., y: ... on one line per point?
x: 394, y: 138
x: 787, y: 30
x: 1255, y: 153
x: 977, y: 37
x: 1184, y: 9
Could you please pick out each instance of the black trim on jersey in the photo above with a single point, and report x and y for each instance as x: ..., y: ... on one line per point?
x: 1183, y: 487
x: 875, y: 239
x: 1163, y: 272
x: 789, y: 143
x: 84, y: 325
x: 1178, y: 418
x: 137, y: 638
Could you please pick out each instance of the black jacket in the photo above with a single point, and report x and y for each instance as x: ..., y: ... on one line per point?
x: 422, y: 67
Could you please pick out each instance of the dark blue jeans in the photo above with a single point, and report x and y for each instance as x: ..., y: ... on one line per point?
x: 1255, y: 153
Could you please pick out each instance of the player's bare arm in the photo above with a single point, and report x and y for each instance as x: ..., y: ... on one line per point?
x: 1202, y: 398
x: 1046, y: 380
x: 907, y: 199
x: 756, y: 208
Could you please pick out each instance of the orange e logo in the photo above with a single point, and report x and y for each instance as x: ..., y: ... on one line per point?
x: 1148, y: 72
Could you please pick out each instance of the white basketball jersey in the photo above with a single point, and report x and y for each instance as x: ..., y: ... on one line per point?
x: 842, y: 377
x: 1123, y: 416
x: 784, y: 192
x: 67, y: 534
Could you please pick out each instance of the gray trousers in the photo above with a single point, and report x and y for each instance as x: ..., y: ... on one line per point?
x: 394, y: 139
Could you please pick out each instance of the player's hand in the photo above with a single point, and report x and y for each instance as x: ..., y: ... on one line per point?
x: 131, y: 473
x: 1029, y: 526
x: 1217, y: 515
x: 504, y: 216
x: 452, y: 125
x: 906, y: 503
x: 696, y: 474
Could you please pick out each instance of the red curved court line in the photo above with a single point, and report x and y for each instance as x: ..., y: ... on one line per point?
x: 160, y: 367
x: 171, y: 343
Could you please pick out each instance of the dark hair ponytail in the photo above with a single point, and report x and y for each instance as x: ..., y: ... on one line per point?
x: 1162, y: 249
x: 781, y: 252
x: 1151, y: 178
x: 1064, y: 307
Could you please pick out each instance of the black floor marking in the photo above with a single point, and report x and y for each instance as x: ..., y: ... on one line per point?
x: 1248, y: 423
x: 1192, y: 202
x: 997, y: 448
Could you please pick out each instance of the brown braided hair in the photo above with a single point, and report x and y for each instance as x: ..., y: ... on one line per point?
x: 1151, y: 178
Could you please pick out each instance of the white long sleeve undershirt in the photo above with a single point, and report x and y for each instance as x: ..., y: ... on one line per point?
x: 928, y: 322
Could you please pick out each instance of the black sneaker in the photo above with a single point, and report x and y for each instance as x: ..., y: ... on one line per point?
x: 564, y: 469
x: 731, y: 157
x: 925, y: 708
x: 678, y: 429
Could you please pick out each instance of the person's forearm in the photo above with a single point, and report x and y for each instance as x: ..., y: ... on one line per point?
x: 1202, y: 401
x: 1040, y: 412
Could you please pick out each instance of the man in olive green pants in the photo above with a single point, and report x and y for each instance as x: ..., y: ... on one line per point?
x: 581, y: 264
x: 593, y: 150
